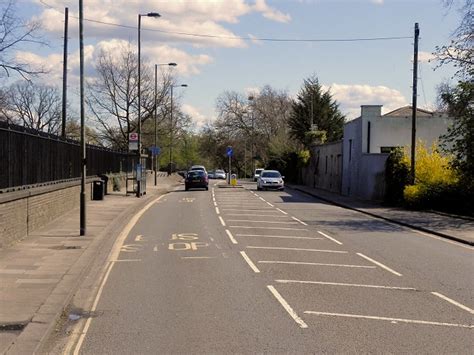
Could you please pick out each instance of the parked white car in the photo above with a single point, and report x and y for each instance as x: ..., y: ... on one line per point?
x: 270, y: 179
x: 257, y: 174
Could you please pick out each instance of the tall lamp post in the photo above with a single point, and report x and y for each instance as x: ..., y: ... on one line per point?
x: 155, y: 15
x: 171, y: 124
x: 156, y: 93
x: 251, y: 98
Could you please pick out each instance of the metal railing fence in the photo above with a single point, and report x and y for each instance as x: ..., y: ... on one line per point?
x: 29, y: 157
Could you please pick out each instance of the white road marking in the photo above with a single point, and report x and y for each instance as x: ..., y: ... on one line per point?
x: 222, y: 221
x: 198, y: 257
x: 250, y: 262
x: 114, y: 253
x: 212, y: 239
x: 276, y: 236
x: 314, y: 264
x: 298, y: 220
x: 155, y: 248
x: 281, y: 211
x: 139, y: 238
x: 287, y: 307
x: 379, y: 264
x: 393, y: 320
x: 261, y: 198
x: 345, y: 284
x: 268, y: 203
x: 215, y: 204
x: 280, y: 228
x: 457, y: 304
x: 231, y: 237
x: 217, y: 210
x: 330, y: 238
x: 253, y: 215
x: 251, y: 221
x: 298, y: 249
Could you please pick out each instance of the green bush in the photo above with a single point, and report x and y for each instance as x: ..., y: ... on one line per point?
x: 397, y: 174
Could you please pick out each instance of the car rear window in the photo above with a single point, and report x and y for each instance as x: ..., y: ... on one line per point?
x: 271, y: 174
x: 195, y: 173
x: 219, y: 171
x: 258, y: 171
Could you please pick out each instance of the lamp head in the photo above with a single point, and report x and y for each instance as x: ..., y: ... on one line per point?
x: 153, y: 14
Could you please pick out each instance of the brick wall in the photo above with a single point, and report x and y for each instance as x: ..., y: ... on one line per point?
x: 24, y: 211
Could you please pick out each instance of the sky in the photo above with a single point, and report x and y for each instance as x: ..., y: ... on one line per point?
x: 231, y: 45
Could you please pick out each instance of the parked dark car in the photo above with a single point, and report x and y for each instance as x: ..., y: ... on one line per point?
x: 196, y: 179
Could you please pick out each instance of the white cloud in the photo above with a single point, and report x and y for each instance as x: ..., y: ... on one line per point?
x: 271, y: 13
x: 425, y: 57
x: 351, y: 97
x: 198, y: 118
x: 179, y: 17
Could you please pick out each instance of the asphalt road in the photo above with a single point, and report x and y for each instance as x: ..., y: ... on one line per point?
x: 236, y: 271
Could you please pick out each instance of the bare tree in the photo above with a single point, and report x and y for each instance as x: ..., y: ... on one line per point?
x: 14, y: 32
x: 113, y: 95
x: 34, y: 106
x: 460, y: 51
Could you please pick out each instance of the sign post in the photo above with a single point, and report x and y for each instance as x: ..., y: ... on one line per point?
x: 229, y: 152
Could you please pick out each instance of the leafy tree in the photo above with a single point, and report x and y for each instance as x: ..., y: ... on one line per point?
x: 314, y: 105
x: 459, y: 140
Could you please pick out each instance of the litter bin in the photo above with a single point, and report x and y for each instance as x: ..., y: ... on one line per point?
x: 98, y: 190
x: 105, y: 179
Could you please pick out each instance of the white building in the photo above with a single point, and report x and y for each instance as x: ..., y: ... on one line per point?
x: 369, y: 138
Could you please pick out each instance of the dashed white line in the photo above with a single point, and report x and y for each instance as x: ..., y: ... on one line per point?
x: 249, y: 220
x: 276, y: 236
x: 298, y: 249
x: 139, y: 238
x: 222, y: 221
x: 261, y: 198
x: 300, y: 221
x: 379, y: 264
x: 217, y: 210
x: 231, y: 237
x: 268, y: 203
x: 249, y: 262
x: 281, y: 211
x: 279, y: 228
x: 330, y: 238
x: 287, y: 307
x: 346, y: 284
x: 393, y: 320
x: 457, y: 304
x: 314, y: 264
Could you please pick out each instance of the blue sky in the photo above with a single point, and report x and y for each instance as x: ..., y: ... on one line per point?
x: 375, y: 72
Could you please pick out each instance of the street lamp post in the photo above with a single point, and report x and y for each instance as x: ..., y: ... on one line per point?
x: 171, y: 125
x: 251, y: 98
x: 156, y: 108
x: 155, y: 15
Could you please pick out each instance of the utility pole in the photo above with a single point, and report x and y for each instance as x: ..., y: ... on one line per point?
x: 171, y: 132
x: 413, y: 115
x: 139, y: 183
x: 83, y: 128
x: 66, y: 18
x: 156, y: 90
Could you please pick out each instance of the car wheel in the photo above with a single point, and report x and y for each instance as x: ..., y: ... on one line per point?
x: 258, y: 188
x: 207, y: 188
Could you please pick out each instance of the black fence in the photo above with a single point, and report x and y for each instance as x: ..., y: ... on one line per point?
x: 29, y: 157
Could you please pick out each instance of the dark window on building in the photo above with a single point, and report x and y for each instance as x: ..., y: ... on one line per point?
x: 350, y: 149
x: 387, y: 149
x: 326, y: 164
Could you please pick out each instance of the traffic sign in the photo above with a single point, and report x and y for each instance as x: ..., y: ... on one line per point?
x: 133, y: 141
x: 229, y: 151
x: 155, y: 150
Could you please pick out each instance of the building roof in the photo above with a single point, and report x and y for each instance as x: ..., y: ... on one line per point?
x: 406, y: 112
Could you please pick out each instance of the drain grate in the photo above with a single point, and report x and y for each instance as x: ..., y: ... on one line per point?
x: 65, y: 247
x: 12, y: 327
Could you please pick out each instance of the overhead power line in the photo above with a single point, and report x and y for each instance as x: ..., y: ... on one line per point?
x: 242, y: 38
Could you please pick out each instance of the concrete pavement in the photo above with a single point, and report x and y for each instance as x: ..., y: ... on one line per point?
x: 39, y: 275
x: 460, y: 229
